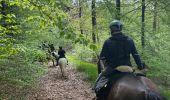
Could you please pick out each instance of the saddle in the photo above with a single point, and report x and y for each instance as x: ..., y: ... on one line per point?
x: 128, y: 69
x: 124, y: 69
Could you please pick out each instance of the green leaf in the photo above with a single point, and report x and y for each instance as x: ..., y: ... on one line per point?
x: 62, y: 34
x: 14, y: 3
x: 30, y: 18
x: 1, y: 16
x: 32, y: 7
x: 77, y: 40
x: 13, y: 15
x: 68, y: 36
x: 93, y: 47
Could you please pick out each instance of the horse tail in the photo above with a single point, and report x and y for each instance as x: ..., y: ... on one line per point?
x: 152, y: 95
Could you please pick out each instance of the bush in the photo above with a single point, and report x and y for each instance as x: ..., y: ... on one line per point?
x: 16, y: 74
x: 32, y: 54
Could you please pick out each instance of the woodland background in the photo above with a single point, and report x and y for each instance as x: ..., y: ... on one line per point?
x: 80, y: 26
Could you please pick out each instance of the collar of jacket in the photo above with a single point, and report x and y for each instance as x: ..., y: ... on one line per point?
x: 118, y: 36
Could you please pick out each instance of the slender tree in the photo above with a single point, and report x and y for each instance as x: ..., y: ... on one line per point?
x: 93, y: 21
x: 118, y: 9
x: 80, y: 16
x: 155, y: 16
x: 143, y: 24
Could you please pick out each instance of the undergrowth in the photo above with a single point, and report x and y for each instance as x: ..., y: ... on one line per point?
x: 89, y: 69
x: 16, y: 75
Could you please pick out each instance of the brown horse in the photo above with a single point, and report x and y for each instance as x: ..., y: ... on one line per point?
x: 132, y: 87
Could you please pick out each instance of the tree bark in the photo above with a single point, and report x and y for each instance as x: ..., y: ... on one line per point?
x: 143, y: 24
x: 155, y: 16
x: 80, y: 16
x: 118, y: 9
x: 93, y: 21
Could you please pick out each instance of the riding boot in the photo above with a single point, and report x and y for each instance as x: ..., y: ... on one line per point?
x: 99, y: 76
x: 100, y: 83
x: 103, y: 78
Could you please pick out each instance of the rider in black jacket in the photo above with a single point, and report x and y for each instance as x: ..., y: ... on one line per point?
x: 116, y: 52
x: 61, y: 54
x: 117, y: 49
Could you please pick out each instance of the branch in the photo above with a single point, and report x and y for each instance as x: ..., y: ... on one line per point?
x: 106, y: 3
x: 134, y: 10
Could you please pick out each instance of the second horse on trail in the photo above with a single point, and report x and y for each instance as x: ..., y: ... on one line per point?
x: 62, y: 62
x: 60, y: 59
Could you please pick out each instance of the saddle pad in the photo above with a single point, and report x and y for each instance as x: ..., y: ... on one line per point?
x: 124, y: 69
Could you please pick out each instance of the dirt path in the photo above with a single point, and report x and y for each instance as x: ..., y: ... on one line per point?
x: 53, y: 87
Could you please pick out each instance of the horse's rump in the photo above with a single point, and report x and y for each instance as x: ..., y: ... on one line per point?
x: 113, y: 79
x: 131, y: 87
x: 62, y: 61
x: 128, y: 87
x: 63, y: 64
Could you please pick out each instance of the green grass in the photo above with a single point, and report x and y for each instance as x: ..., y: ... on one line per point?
x: 16, y: 76
x: 165, y: 92
x: 89, y: 69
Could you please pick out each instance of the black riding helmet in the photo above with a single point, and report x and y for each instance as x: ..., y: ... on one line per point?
x: 116, y: 25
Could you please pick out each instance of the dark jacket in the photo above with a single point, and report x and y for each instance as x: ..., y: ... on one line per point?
x: 117, y: 49
x: 61, y: 53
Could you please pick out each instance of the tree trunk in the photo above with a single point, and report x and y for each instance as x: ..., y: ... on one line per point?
x: 80, y: 16
x: 143, y: 24
x: 155, y: 17
x: 93, y: 21
x: 118, y: 9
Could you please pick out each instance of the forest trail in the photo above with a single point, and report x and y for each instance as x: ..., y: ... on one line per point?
x: 52, y: 87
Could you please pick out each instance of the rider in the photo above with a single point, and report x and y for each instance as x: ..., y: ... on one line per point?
x: 116, y: 52
x: 61, y: 53
x: 52, y: 48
